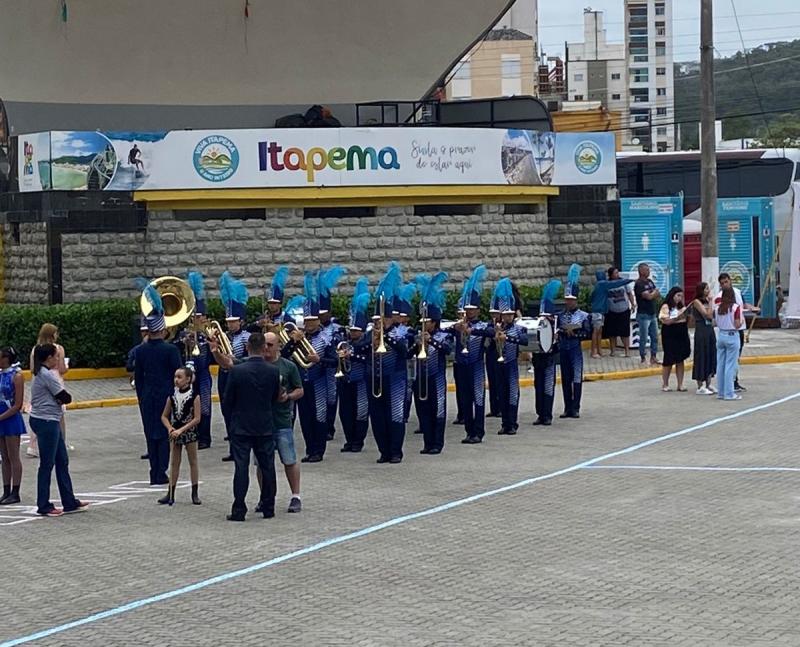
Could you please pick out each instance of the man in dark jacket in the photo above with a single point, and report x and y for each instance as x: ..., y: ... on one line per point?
x: 155, y: 363
x: 252, y: 387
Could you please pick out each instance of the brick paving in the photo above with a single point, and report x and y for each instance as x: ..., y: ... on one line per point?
x: 592, y: 557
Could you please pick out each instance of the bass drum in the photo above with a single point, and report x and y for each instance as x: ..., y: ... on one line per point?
x: 541, y: 335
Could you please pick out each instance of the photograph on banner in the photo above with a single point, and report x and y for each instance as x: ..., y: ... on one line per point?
x: 33, y: 162
x: 302, y: 157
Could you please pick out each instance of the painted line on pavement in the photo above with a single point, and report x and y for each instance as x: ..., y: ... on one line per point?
x: 690, y: 468
x: 224, y: 577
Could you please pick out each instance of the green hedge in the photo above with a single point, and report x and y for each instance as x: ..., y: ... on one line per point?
x: 99, y: 334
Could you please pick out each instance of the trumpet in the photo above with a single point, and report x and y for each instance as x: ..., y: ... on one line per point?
x: 378, y: 353
x: 421, y: 360
x: 214, y: 331
x: 343, y: 350
x: 500, y: 345
x: 304, y: 348
x: 464, y: 335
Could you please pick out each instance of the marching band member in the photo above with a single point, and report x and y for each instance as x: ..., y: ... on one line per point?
x: 201, y: 363
x: 492, y: 374
x: 509, y: 336
x: 233, y: 294
x: 154, y: 370
x: 458, y: 365
x: 402, y: 304
x: 471, y: 334
x: 388, y: 353
x: 274, y: 315
x: 353, y: 400
x: 327, y: 280
x: 574, y: 326
x: 312, y: 407
x: 544, y: 364
x: 431, y: 383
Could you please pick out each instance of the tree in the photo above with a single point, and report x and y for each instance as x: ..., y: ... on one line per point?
x: 784, y: 132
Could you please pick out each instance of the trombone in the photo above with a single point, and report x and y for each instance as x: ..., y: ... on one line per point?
x: 304, y: 348
x: 500, y: 345
x: 378, y: 353
x: 464, y: 335
x: 421, y: 360
x: 343, y: 350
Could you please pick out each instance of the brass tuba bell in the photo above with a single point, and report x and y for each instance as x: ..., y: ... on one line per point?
x: 177, y: 298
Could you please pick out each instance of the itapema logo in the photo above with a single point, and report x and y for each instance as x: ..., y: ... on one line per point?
x: 215, y: 158
x: 588, y: 157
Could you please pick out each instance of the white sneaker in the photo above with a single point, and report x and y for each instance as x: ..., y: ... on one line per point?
x: 735, y: 397
x: 703, y: 391
x: 31, y: 453
x: 711, y: 389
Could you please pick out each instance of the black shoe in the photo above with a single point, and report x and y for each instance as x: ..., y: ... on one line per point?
x: 162, y: 481
x: 195, y: 496
x: 295, y: 505
x: 11, y: 499
x: 346, y: 448
x: 511, y: 432
x: 269, y: 514
x: 203, y: 445
x: 575, y: 415
x: 394, y: 460
x: 493, y: 415
x: 425, y: 450
x: 738, y: 388
x: 382, y: 460
x: 226, y: 438
x: 538, y: 421
x: 145, y: 457
x: 457, y: 421
x: 227, y: 459
x: 467, y: 440
x: 305, y: 459
x: 418, y: 431
x: 547, y: 422
x: 235, y: 517
x: 316, y: 458
x: 565, y: 415
x: 259, y: 507
x: 476, y: 440
x: 434, y: 451
x: 502, y: 432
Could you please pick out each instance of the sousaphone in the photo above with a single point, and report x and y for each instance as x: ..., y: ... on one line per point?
x: 176, y: 297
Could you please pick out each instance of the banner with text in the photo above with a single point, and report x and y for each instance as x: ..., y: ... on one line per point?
x: 303, y: 157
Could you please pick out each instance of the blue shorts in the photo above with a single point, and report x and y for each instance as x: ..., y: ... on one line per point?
x: 284, y: 444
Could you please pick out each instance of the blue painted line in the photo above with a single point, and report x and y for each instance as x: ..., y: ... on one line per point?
x: 224, y: 577
x: 689, y: 468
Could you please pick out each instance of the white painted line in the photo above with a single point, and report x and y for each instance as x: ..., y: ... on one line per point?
x: 689, y: 468
x: 333, y: 541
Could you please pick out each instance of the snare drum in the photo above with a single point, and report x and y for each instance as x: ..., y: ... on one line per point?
x: 541, y: 335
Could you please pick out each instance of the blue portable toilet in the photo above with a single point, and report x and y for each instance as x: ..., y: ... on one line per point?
x: 746, y: 240
x: 652, y: 233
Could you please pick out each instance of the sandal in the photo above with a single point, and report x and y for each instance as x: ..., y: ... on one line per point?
x: 666, y: 389
x: 682, y: 389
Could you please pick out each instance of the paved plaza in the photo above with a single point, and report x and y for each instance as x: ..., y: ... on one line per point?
x: 655, y: 519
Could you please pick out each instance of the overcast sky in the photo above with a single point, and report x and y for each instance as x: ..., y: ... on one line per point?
x: 762, y: 21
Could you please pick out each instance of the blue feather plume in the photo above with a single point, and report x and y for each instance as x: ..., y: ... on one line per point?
x: 549, y: 294
x: 406, y: 292
x: 195, y: 280
x: 504, y: 291
x: 295, y: 303
x: 390, y: 283
x: 476, y: 280
x: 574, y: 273
x: 328, y: 279
x: 310, y: 285
x: 361, y: 296
x: 226, y: 287
x: 431, y: 289
x: 151, y: 294
x: 464, y: 294
x: 279, y: 280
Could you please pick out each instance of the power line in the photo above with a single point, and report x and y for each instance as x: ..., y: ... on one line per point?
x: 623, y: 22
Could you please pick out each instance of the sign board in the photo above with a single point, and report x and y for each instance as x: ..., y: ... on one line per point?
x: 312, y: 157
x: 793, y: 305
x: 652, y: 233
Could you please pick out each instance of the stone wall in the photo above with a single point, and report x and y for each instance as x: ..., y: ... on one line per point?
x: 591, y: 244
x: 516, y: 245
x: 25, y: 272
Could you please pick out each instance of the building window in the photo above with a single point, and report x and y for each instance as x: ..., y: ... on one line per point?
x: 662, y: 131
x: 661, y: 48
x: 661, y: 71
x: 615, y: 76
x: 512, y: 75
x: 660, y: 10
x: 661, y: 29
x: 661, y: 112
x: 578, y: 77
x: 661, y: 92
x: 640, y: 58
x: 461, y: 86
x: 615, y: 97
x: 640, y: 74
x: 661, y: 147
x: 578, y: 97
x: 640, y: 95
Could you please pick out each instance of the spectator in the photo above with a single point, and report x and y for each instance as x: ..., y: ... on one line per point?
x: 728, y: 318
x: 705, y: 341
x: 618, y: 318
x: 47, y: 398
x: 48, y: 334
x: 646, y: 294
x: 725, y: 282
x: 675, y: 337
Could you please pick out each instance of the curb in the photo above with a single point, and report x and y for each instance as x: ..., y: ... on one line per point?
x: 523, y: 382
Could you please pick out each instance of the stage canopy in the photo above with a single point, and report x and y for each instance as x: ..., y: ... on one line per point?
x: 151, y: 64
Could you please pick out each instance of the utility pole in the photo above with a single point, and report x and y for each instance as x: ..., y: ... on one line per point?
x: 708, y: 147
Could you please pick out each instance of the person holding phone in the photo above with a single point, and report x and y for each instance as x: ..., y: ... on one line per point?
x: 674, y: 337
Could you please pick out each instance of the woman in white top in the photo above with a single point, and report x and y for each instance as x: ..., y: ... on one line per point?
x: 48, y: 334
x: 727, y: 317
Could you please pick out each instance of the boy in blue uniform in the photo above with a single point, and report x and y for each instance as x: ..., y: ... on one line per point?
x: 573, y: 326
x: 544, y: 364
x: 353, y: 400
x: 201, y: 363
x: 327, y: 280
x: 508, y: 338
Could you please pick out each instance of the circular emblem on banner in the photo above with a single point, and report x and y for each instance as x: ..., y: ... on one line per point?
x: 658, y: 274
x: 588, y: 157
x: 740, y: 275
x: 215, y: 158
